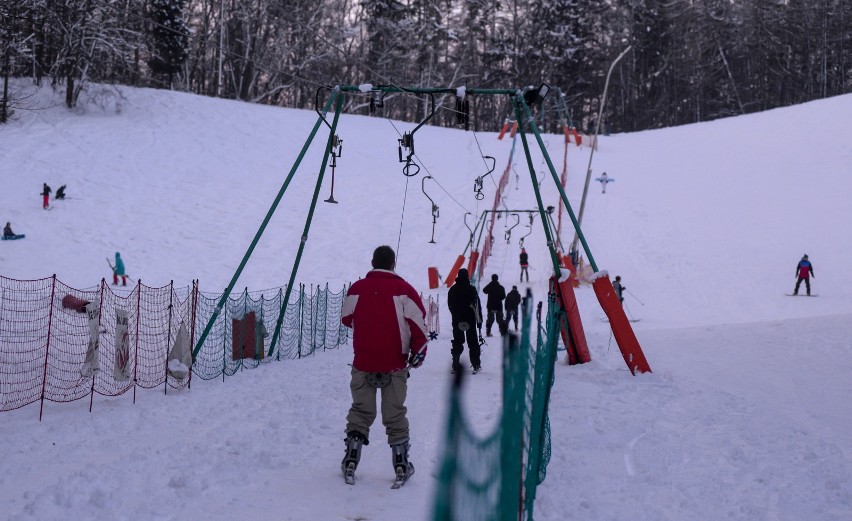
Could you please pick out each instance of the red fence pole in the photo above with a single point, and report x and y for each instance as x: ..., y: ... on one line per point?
x: 47, y: 346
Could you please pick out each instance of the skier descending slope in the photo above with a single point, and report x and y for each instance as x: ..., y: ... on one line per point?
x: 389, y: 336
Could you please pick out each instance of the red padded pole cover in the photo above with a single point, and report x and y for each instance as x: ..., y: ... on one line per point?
x: 455, y: 271
x: 471, y: 263
x: 621, y: 329
x: 575, y: 337
x: 434, y: 279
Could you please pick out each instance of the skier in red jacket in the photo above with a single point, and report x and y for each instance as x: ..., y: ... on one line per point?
x: 389, y: 336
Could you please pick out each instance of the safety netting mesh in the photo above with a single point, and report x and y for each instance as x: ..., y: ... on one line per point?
x: 311, y: 322
x: 495, y: 477
x: 60, y: 344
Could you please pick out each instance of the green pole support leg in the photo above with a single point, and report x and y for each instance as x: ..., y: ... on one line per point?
x: 551, y: 246
x: 221, y: 303
x: 522, y: 105
x: 336, y: 95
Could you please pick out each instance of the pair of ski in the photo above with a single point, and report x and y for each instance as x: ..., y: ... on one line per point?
x: 401, y: 476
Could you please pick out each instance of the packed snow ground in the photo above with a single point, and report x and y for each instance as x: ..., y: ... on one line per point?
x: 747, y: 414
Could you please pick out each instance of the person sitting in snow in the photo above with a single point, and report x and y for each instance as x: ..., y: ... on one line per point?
x: 60, y: 193
x: 7, y: 231
x: 804, y: 272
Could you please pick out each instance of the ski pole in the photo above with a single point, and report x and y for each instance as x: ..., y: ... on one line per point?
x: 629, y: 314
x: 634, y: 296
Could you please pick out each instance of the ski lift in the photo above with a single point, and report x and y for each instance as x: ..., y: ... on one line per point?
x: 406, y: 142
x: 470, y: 242
x: 377, y: 101
x: 530, y: 225
x: 479, y: 181
x: 336, y: 151
x: 509, y: 230
x: 435, y: 213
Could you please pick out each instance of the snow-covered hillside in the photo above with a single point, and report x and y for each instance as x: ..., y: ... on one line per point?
x: 746, y: 416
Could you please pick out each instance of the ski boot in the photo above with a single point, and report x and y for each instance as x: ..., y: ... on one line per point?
x: 403, y: 468
x: 354, y: 442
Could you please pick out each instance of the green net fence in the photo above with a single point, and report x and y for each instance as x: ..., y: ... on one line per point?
x: 311, y: 322
x: 495, y: 477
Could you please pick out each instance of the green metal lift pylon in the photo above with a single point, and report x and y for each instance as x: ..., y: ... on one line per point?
x: 521, y: 109
x: 221, y: 304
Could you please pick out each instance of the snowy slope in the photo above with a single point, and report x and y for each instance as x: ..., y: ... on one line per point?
x: 746, y: 415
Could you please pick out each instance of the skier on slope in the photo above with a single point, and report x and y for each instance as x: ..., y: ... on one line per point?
x: 7, y: 231
x: 525, y: 264
x: 604, y: 179
x: 619, y: 288
x: 45, y: 194
x: 466, y: 312
x: 513, y: 301
x: 804, y: 272
x: 496, y: 294
x: 118, y: 271
x: 60, y: 193
x: 389, y: 331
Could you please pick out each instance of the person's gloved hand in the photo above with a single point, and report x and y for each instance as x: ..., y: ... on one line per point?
x: 416, y: 359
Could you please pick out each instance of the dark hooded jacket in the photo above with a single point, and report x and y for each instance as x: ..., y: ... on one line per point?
x: 513, y: 300
x: 463, y: 301
x: 496, y: 294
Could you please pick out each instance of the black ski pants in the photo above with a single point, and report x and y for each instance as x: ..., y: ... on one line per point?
x: 512, y: 315
x: 459, y: 338
x: 501, y: 323
x: 799, y: 283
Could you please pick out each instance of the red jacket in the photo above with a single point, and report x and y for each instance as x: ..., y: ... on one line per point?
x: 387, y: 318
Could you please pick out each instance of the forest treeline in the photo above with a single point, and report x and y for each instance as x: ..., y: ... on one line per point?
x: 689, y: 60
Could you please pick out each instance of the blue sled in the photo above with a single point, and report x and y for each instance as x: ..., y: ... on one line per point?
x: 13, y: 237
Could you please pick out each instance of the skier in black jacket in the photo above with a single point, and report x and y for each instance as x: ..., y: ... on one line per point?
x: 466, y: 311
x: 513, y: 300
x: 496, y: 294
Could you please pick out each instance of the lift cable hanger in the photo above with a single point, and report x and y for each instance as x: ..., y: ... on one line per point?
x: 435, y: 213
x: 478, y: 182
x: 407, y: 142
x: 470, y: 241
x: 336, y: 151
x: 530, y: 225
x: 509, y: 230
